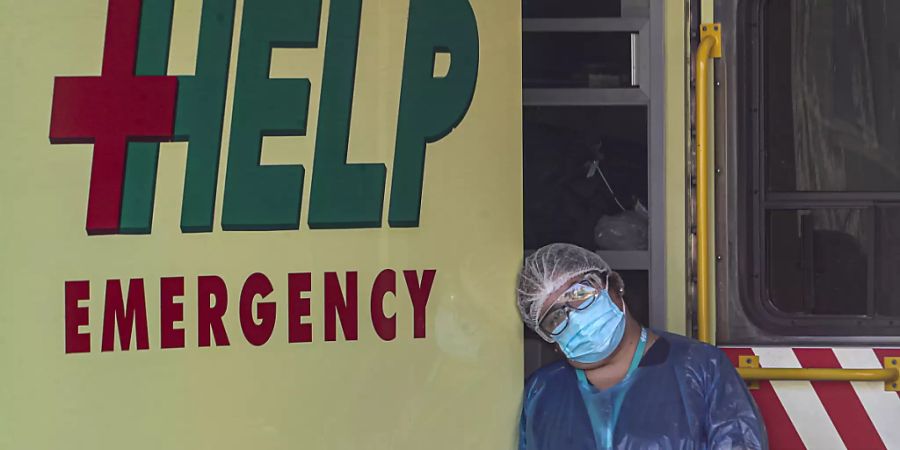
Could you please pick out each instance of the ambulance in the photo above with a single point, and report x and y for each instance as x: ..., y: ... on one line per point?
x: 293, y: 224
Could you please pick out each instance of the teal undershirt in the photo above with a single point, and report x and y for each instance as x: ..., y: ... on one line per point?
x: 603, y: 430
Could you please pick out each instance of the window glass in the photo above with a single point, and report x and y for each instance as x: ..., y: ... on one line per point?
x: 576, y: 60
x: 828, y: 221
x: 888, y: 261
x: 832, y: 91
x: 817, y: 260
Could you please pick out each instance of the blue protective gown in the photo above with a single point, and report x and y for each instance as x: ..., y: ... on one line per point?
x: 683, y: 395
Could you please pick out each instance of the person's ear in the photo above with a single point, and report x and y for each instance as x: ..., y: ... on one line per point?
x: 616, y: 284
x: 616, y: 287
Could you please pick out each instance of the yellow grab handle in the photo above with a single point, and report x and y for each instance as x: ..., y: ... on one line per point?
x: 748, y: 368
x: 710, y: 47
x: 818, y: 374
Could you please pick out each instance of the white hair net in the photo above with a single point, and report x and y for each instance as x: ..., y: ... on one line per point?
x: 548, y: 269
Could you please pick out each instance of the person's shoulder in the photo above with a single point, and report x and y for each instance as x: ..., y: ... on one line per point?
x: 699, y: 357
x: 686, y: 347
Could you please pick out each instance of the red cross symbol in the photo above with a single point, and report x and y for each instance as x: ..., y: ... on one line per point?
x: 111, y: 110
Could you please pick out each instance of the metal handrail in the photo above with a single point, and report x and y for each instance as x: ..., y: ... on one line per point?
x: 710, y: 47
x: 757, y: 373
x: 749, y: 370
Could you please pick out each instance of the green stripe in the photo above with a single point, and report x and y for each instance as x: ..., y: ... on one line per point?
x: 142, y: 159
x: 343, y: 195
x: 199, y: 115
x: 267, y: 197
x: 201, y: 112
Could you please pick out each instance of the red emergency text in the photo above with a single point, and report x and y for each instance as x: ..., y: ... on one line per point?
x: 125, y: 304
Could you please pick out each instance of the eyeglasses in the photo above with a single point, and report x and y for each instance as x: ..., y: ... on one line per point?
x: 577, y: 297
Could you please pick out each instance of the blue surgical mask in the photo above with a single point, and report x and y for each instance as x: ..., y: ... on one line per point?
x: 594, y: 333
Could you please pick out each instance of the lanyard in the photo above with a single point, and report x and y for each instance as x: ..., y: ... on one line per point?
x: 603, y: 429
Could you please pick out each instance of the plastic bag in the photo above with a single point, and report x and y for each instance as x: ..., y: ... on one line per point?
x: 627, y: 230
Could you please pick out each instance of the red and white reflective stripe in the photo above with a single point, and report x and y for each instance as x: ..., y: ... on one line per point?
x: 840, y: 401
x: 882, y: 407
x: 826, y: 415
x: 801, y: 402
x: 782, y: 433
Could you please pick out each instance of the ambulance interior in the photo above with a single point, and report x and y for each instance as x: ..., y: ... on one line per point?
x: 808, y: 190
x: 585, y: 162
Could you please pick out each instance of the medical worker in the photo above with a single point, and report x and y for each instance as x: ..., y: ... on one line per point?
x: 622, y: 386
